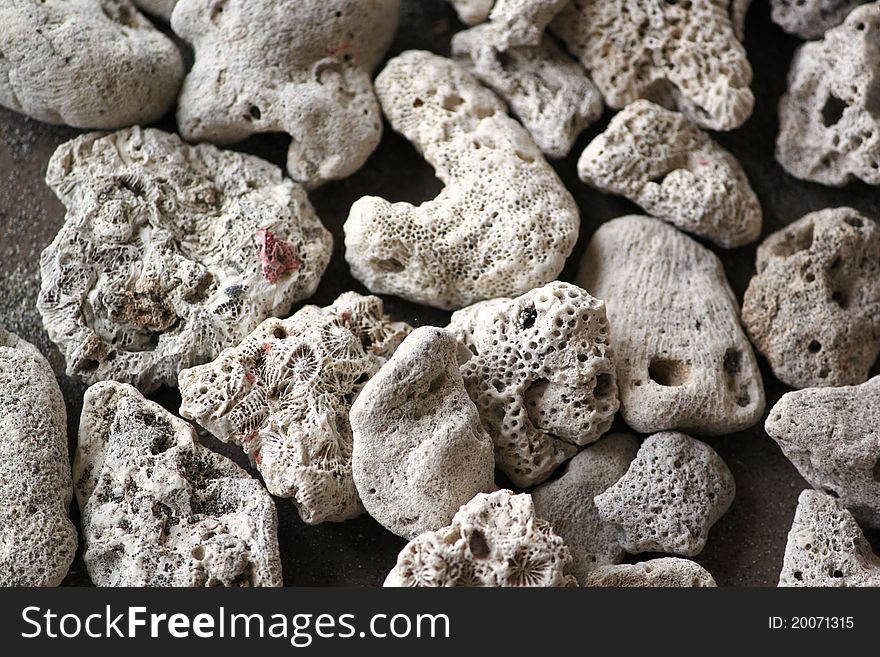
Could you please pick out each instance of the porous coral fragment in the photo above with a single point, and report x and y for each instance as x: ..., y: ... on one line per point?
x: 682, y: 55
x: 494, y: 540
x: 503, y: 223
x: 540, y: 370
x: 297, y: 67
x: 158, y: 508
x: 284, y: 396
x: 655, y: 573
x: 810, y: 19
x: 162, y: 259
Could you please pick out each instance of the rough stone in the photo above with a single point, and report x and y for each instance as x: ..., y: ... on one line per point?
x: 810, y: 19
x: 302, y: 68
x: 826, y: 547
x: 284, y: 396
x: 420, y: 452
x: 471, y: 12
x: 671, y: 495
x: 169, y: 253
x: 503, y: 224
x: 522, y: 22
x: 85, y: 63
x: 682, y: 55
x: 813, y: 308
x: 666, y: 164
x: 682, y: 359
x: 830, y: 434
x: 494, y: 540
x: 545, y: 88
x: 540, y: 369
x: 829, y: 120
x: 37, y: 539
x: 567, y: 503
x: 656, y: 573
x: 158, y: 508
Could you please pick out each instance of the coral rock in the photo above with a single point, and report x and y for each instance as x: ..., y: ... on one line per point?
x: 471, y: 12
x: 660, y: 160
x: 826, y: 547
x: 682, y: 359
x: 541, y: 371
x: 297, y: 67
x: 522, y: 22
x: 546, y: 89
x: 567, y: 503
x: 829, y: 121
x: 169, y: 253
x: 810, y: 19
x: 656, y: 573
x: 813, y: 309
x: 420, y: 451
x: 158, y: 508
x: 37, y: 539
x: 284, y: 395
x: 674, y: 491
x: 494, y: 540
x: 504, y: 222
x: 830, y: 434
x: 85, y: 63
x: 738, y: 9
x: 682, y: 55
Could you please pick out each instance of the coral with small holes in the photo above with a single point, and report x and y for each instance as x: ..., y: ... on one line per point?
x: 813, y: 308
x: 810, y: 19
x: 567, y: 503
x: 284, y: 396
x: 169, y: 253
x: 420, y: 452
x: 830, y: 434
x: 683, y: 55
x: 540, y: 369
x: 829, y: 120
x: 37, y: 539
x: 683, y: 361
x: 660, y: 160
x: 158, y: 508
x: 504, y: 222
x: 671, y: 495
x: 655, y: 573
x: 522, y: 22
x: 301, y: 68
x: 96, y: 64
x: 494, y: 540
x: 546, y: 89
x: 826, y: 547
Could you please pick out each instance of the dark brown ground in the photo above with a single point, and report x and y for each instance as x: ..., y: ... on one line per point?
x: 745, y: 547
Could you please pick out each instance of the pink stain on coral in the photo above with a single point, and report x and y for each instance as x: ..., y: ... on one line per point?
x: 278, y: 256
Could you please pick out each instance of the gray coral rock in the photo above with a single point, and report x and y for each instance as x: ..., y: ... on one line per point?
x: 738, y: 9
x: 420, y: 451
x: 674, y: 491
x: 161, y: 8
x: 829, y: 121
x: 471, y: 12
x: 826, y: 547
x: 158, y: 508
x: 37, y: 539
x: 810, y: 19
x: 682, y: 55
x: 503, y: 223
x: 302, y: 68
x: 169, y: 253
x: 656, y: 573
x: 522, y: 22
x: 830, y: 434
x: 813, y: 308
x: 666, y: 164
x: 682, y: 359
x: 567, y: 503
x: 494, y: 540
x: 540, y: 369
x: 546, y: 89
x: 284, y: 396
x: 85, y: 63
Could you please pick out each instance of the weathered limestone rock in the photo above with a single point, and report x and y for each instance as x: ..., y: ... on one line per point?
x: 656, y: 573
